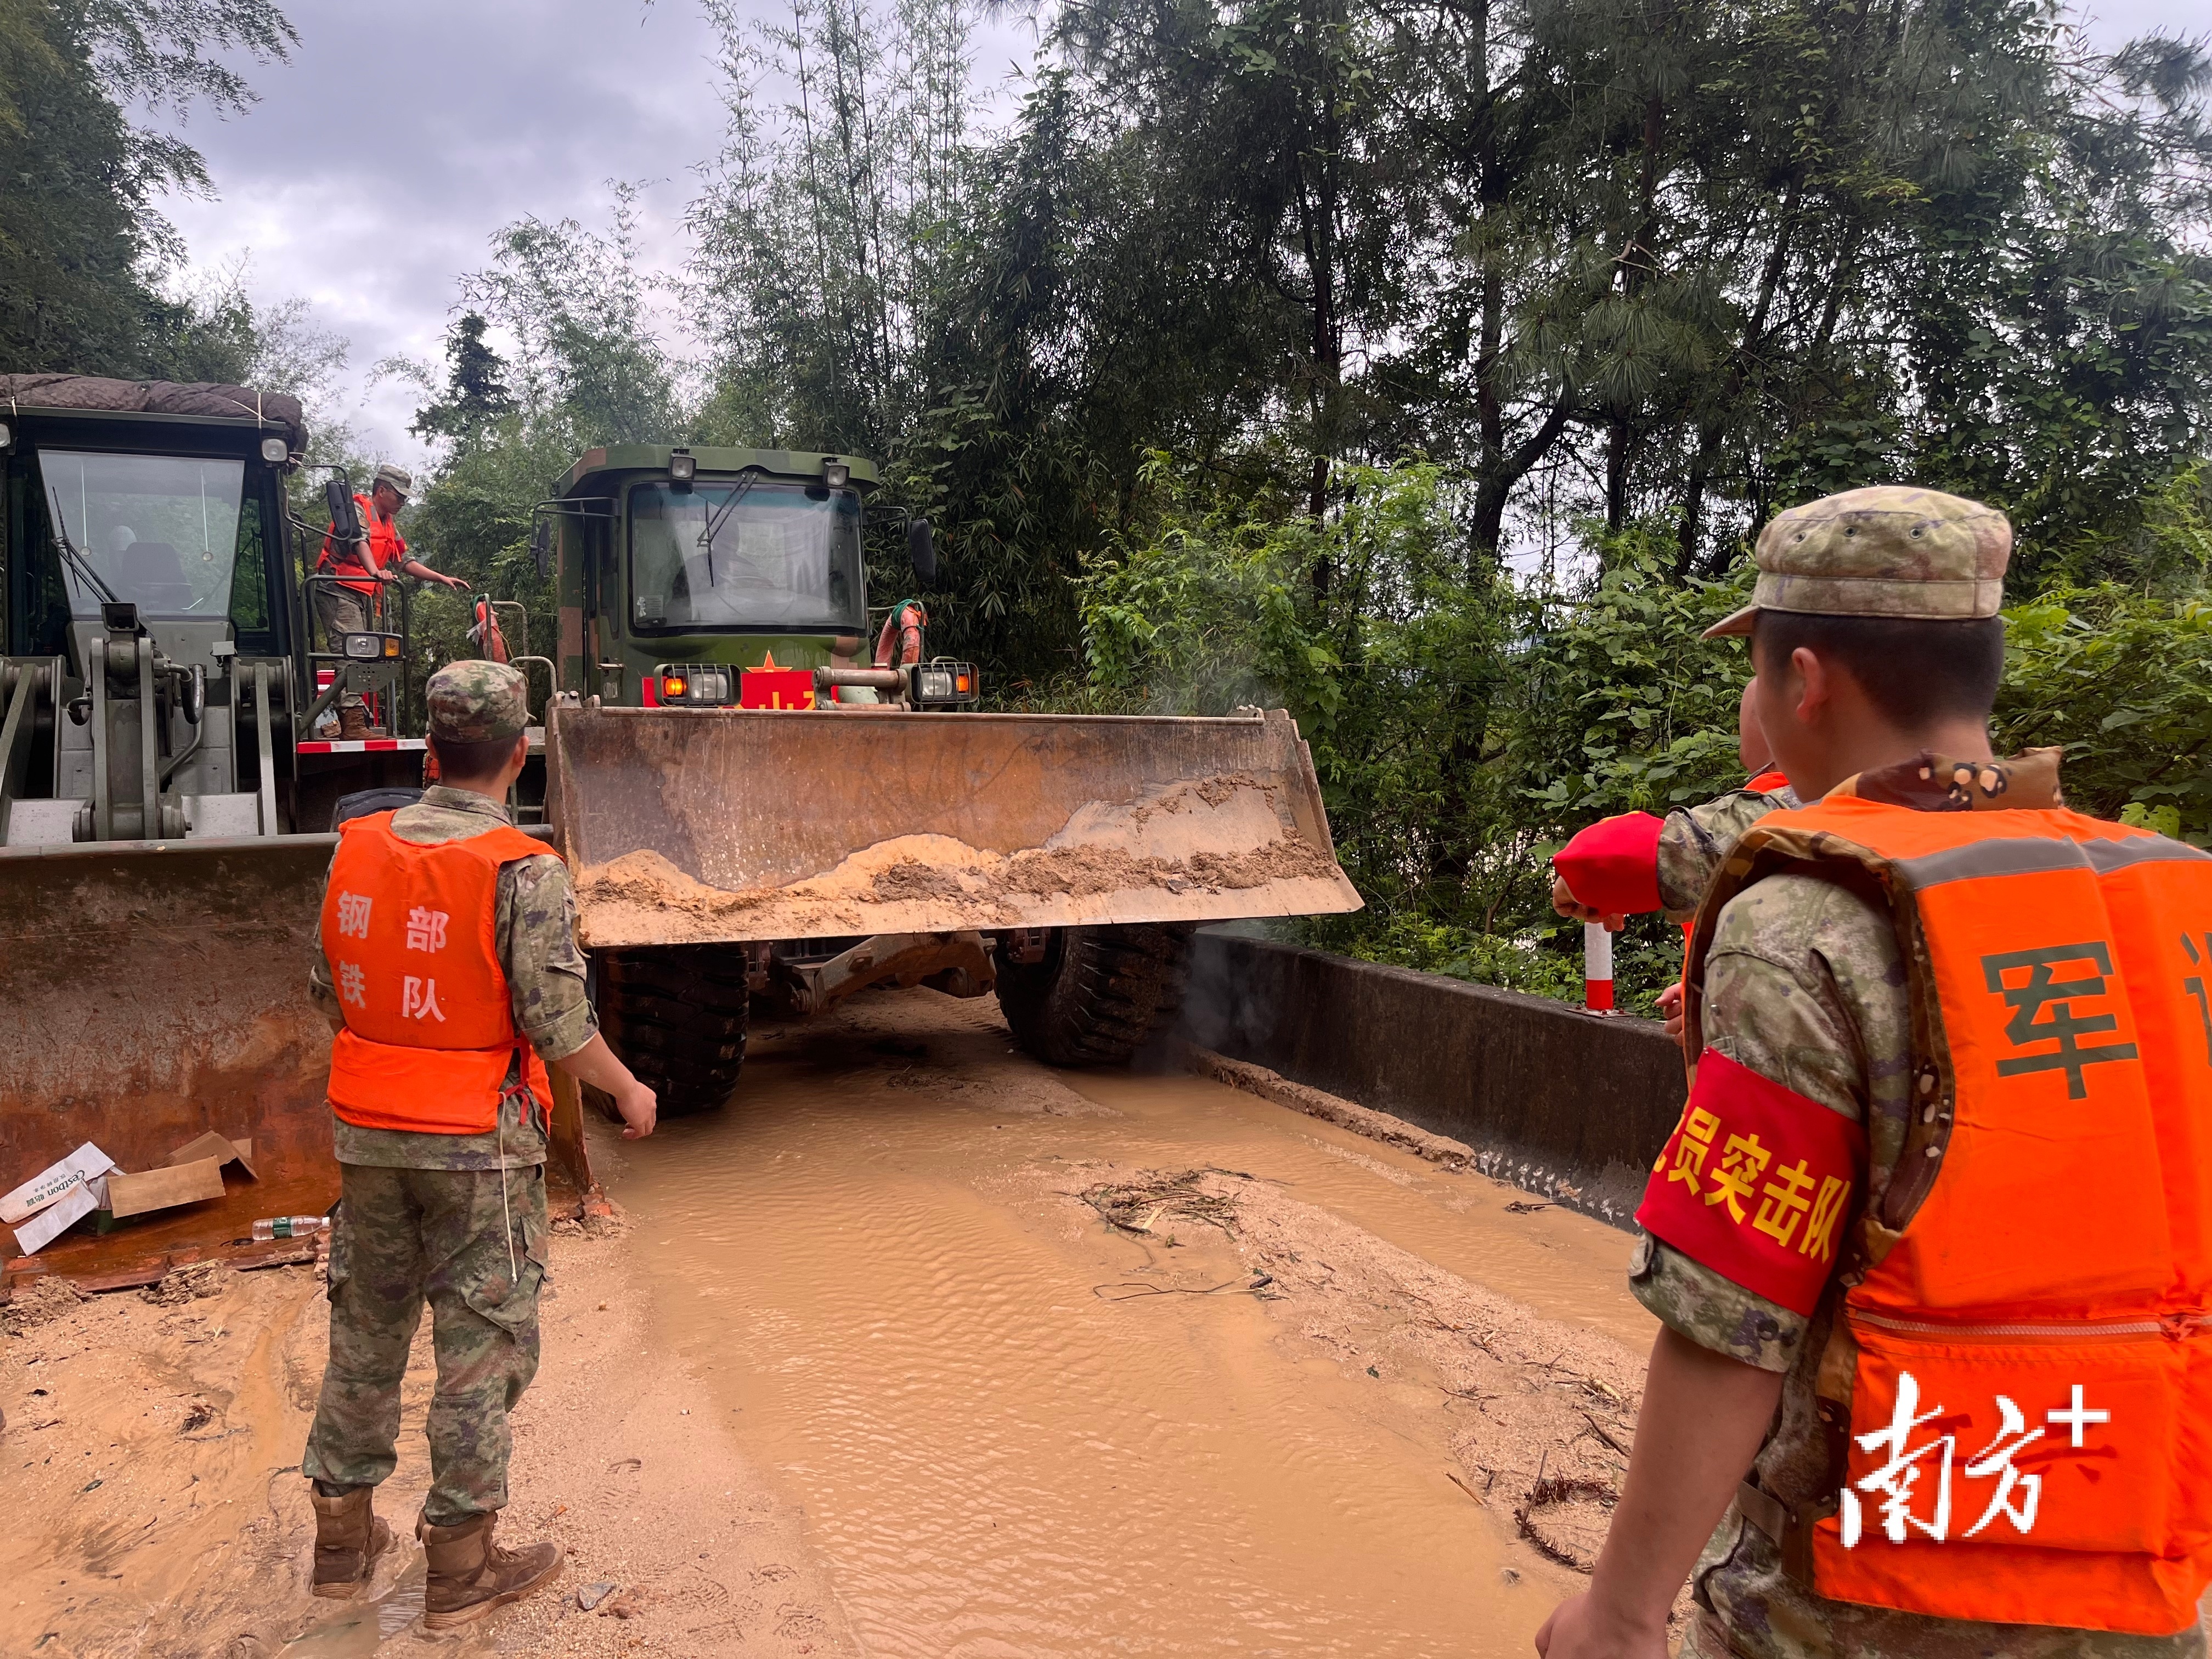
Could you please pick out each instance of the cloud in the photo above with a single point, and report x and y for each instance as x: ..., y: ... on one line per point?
x: 378, y: 163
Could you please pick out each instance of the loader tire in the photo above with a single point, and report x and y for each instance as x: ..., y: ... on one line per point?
x: 1098, y: 992
x: 676, y: 1016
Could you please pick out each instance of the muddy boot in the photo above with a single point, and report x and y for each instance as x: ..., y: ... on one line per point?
x: 353, y: 724
x: 470, y: 1575
x: 348, y: 1540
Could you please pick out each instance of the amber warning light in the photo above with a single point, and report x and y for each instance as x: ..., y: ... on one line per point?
x: 943, y: 684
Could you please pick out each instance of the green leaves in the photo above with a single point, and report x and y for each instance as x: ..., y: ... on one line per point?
x: 2123, y: 682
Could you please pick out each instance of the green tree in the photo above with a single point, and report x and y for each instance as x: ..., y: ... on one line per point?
x: 81, y: 247
x: 475, y: 393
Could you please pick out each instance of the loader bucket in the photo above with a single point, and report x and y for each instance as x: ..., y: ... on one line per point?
x: 152, y: 990
x: 696, y: 825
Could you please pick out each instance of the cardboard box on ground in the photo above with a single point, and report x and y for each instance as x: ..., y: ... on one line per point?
x: 88, y: 1183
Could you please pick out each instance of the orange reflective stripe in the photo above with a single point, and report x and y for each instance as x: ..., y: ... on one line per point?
x: 2030, y: 1398
x: 429, y: 1038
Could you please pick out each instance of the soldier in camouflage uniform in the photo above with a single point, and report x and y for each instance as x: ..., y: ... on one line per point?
x: 1803, y: 983
x: 455, y: 1219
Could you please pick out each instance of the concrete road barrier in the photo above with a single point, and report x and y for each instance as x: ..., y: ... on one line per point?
x: 1569, y: 1106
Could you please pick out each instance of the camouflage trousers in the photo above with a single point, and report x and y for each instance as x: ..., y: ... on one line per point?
x: 402, y: 1237
x: 344, y: 611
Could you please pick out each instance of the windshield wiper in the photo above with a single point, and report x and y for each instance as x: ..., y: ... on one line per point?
x: 714, y: 525
x: 75, y: 560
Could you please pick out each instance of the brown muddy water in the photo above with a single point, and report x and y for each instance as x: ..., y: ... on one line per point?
x: 1004, y: 1442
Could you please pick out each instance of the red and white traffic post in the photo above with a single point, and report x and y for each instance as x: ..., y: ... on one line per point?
x: 1597, y: 969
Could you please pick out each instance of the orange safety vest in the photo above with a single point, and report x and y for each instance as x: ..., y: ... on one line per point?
x: 385, y: 546
x: 2022, y: 1353
x: 429, y: 1043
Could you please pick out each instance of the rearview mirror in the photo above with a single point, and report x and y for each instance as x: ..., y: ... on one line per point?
x: 345, y: 521
x: 541, y: 546
x: 921, y: 551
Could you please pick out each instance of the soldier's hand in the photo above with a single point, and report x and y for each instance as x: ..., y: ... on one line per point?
x: 1579, y: 1628
x: 1670, y: 1009
x: 639, y: 1110
x: 1564, y: 901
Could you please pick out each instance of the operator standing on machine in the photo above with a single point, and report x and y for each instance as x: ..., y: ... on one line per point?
x: 350, y: 605
x: 448, y: 964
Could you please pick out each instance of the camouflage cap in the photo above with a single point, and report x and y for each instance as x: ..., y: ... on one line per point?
x: 477, y: 701
x: 401, y: 480
x: 1886, y: 551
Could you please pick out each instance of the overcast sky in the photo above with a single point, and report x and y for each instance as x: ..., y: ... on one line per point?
x: 402, y: 134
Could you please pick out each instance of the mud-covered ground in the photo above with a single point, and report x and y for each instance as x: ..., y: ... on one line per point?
x: 156, y: 1507
x: 921, y: 1348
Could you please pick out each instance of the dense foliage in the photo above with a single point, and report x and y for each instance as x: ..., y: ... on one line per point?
x: 81, y: 249
x: 1425, y: 372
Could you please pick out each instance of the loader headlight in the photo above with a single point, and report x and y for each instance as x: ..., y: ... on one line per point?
x: 945, y: 683
x: 693, y: 683
x: 369, y: 648
x: 836, y: 474
x: 274, y: 451
x: 683, y: 466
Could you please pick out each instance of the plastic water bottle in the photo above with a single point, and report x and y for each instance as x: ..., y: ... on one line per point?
x: 288, y: 1226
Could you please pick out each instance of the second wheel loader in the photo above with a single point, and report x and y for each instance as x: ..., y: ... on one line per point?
x: 767, y: 791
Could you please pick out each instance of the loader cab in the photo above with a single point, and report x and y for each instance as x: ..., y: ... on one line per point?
x: 129, y: 535
x: 687, y: 574
x: 179, y: 517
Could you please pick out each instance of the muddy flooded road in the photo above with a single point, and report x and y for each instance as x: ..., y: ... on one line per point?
x: 917, y: 1349
x: 1060, y: 1363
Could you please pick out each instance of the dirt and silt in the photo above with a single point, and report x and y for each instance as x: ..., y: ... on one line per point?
x: 1223, y: 845
x: 918, y: 1349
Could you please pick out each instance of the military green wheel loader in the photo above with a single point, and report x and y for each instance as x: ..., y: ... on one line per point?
x: 769, y: 792
x: 766, y: 791
x: 165, y: 793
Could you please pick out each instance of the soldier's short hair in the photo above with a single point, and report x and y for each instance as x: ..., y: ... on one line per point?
x: 470, y: 761
x: 1913, y: 669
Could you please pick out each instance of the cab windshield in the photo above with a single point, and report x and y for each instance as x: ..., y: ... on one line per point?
x: 748, y: 554
x: 161, y: 532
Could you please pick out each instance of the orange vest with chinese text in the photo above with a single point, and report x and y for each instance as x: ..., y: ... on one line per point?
x: 386, y: 547
x: 429, y: 1043
x: 2024, y: 1352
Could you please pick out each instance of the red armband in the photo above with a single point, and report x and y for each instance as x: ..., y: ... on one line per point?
x: 1756, y: 1183
x: 1769, y: 783
x: 1613, y: 866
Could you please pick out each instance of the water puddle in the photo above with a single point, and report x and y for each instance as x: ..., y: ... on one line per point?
x: 996, y: 1460
x: 363, y: 1626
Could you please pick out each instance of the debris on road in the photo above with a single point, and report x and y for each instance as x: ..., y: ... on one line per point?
x: 1567, y: 1518
x: 591, y: 1594
x: 1137, y: 1207
x: 185, y: 1283
x: 56, y: 1197
x: 47, y: 1297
